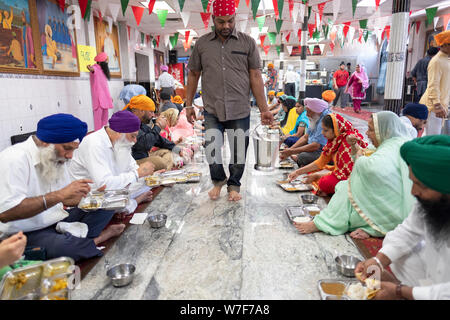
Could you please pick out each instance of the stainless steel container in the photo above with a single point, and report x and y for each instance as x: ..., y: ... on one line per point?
x: 121, y: 274
x: 157, y: 220
x: 266, y: 143
x: 347, y: 265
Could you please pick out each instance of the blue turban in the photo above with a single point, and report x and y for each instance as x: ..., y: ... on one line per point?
x: 124, y: 122
x: 416, y: 110
x: 130, y: 91
x: 61, y: 128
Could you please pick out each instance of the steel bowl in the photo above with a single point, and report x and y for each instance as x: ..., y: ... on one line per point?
x: 157, y: 220
x: 121, y: 274
x: 310, y: 198
x: 346, y: 265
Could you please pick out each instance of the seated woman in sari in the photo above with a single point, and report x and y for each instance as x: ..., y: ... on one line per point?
x: 182, y: 128
x: 287, y: 104
x: 300, y: 127
x: 336, y: 129
x: 292, y: 115
x: 377, y: 196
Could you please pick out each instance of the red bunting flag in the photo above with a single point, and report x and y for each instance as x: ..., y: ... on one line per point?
x: 377, y: 4
x: 266, y: 50
x: 321, y: 6
x: 129, y: 32
x: 138, y: 12
x: 151, y: 4
x: 275, y: 7
x: 409, y: 27
x: 288, y: 37
x: 417, y: 26
x: 186, y: 34
x: 62, y: 4
x: 237, y: 3
x: 208, y: 8
x: 346, y: 28
x: 100, y: 15
x: 387, y: 29
x: 262, y: 38
x: 360, y: 36
x: 311, y: 27
x: 83, y: 6
x: 247, y: 2
x: 291, y: 8
x: 147, y: 38
x: 157, y: 40
x: 332, y: 46
x: 205, y: 18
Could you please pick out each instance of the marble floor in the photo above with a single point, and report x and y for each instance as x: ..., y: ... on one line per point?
x: 221, y: 250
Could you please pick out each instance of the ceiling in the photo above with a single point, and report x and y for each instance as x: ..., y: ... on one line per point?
x: 151, y: 25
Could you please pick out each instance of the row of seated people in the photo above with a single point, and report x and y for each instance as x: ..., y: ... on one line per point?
x: 45, y: 177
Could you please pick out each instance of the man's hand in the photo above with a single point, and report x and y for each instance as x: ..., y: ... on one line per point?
x: 352, y: 139
x: 285, y: 153
x: 335, y: 87
x: 145, y: 197
x: 179, y: 140
x: 146, y: 169
x: 266, y: 118
x: 387, y: 291
x: 367, y: 268
x: 440, y: 111
x: 190, y: 115
x: 12, y: 249
x: 161, y: 122
x: 293, y: 175
x: 72, y: 194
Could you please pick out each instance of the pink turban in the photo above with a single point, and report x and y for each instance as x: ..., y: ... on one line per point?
x: 222, y: 8
x: 101, y: 57
x: 316, y: 105
x: 164, y: 68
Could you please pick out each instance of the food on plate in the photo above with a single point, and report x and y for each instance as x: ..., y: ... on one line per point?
x: 19, y: 280
x: 302, y: 219
x: 359, y: 292
x: 59, y: 285
x: 333, y: 288
x: 313, y: 210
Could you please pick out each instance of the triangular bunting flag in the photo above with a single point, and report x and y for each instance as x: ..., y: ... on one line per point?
x: 185, y: 17
x: 166, y: 39
x: 102, y: 5
x: 321, y: 6
x: 278, y: 50
x: 336, y: 7
x: 157, y: 40
x: 311, y: 29
x: 262, y: 38
x: 138, y: 12
x: 333, y: 35
x: 151, y: 5
x: 332, y: 46
x: 366, y: 35
x: 288, y: 37
x: 295, y: 11
x: 87, y: 15
x: 363, y: 24
x: 83, y: 7
x: 174, y: 40
x: 291, y: 8
x: 436, y: 19
x: 205, y: 18
x: 154, y: 43
x: 275, y: 8
x: 208, y: 8
x: 62, y: 5
x: 289, y: 49
x: 142, y: 37
x: 418, y: 26
x: 124, y: 4
x: 354, y: 3
x: 272, y: 37
x: 114, y: 9
x: 361, y: 32
x: 255, y: 5
x: 205, y: 5
x: 309, y: 12
x: 147, y: 38
x: 243, y: 18
x: 280, y: 8
x: 431, y: 12
x: 325, y: 29
x: 181, y: 3
x: 322, y: 47
x: 278, y: 24
x: 261, y: 20
x: 301, y: 12
x: 446, y: 18
x: 299, y: 35
x: 316, y: 35
x: 162, y: 16
x: 99, y: 14
x: 186, y: 34
x: 378, y: 34
x: 311, y: 49
x: 317, y: 20
x: 266, y: 50
x: 377, y: 4
x: 346, y: 28
x: 247, y: 2
x: 236, y: 3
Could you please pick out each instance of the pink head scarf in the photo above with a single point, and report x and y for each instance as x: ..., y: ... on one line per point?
x: 362, y: 75
x: 183, y: 128
x: 101, y: 57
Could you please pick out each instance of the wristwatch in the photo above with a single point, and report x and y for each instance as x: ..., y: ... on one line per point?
x: 398, y: 291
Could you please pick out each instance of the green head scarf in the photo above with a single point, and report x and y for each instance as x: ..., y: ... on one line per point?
x: 429, y: 159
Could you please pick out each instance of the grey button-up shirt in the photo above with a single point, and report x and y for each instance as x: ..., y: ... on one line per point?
x: 225, y: 73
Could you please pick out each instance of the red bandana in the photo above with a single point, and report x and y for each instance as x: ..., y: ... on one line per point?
x: 223, y: 8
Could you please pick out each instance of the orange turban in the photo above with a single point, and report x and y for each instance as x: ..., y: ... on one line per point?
x: 442, y: 38
x: 279, y: 94
x: 177, y: 99
x: 328, y: 95
x: 141, y: 102
x: 271, y: 93
x: 270, y: 65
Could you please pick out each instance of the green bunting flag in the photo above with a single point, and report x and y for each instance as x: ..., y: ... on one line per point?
x: 162, y: 16
x: 431, y: 12
x: 278, y: 24
x: 87, y: 15
x: 305, y: 1
x: 142, y: 38
x: 272, y: 37
x: 354, y: 3
x: 124, y: 6
x: 278, y: 50
x: 174, y: 39
x: 255, y: 5
x: 316, y: 35
x: 213, y: 28
x: 326, y: 29
x: 205, y: 5
x: 261, y: 20
x: 366, y: 35
x: 181, y: 3
x: 280, y: 8
x: 363, y: 24
x: 155, y: 43
x: 309, y: 12
x: 311, y: 49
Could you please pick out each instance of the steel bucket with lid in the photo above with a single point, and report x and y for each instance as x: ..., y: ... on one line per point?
x: 266, y: 144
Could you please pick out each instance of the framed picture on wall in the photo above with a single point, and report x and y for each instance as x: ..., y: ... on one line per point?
x: 107, y: 40
x: 58, y: 43
x: 159, y: 61
x: 19, y: 37
x: 430, y: 42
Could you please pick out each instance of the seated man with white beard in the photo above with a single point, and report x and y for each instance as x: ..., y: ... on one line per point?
x: 418, y: 250
x: 35, y: 186
x: 308, y: 148
x: 105, y: 157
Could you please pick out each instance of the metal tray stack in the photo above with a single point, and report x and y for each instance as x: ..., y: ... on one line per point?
x: 108, y: 200
x: 43, y: 281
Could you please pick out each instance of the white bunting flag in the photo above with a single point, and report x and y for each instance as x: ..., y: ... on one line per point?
x: 378, y: 33
x: 295, y: 28
x: 114, y: 10
x: 336, y: 7
x: 301, y: 14
x: 351, y: 34
x: 436, y: 19
x: 166, y: 39
x: 243, y: 18
x: 317, y: 21
x: 102, y: 4
x: 295, y: 12
x: 289, y: 49
x: 110, y: 23
x: 321, y: 46
x: 185, y: 16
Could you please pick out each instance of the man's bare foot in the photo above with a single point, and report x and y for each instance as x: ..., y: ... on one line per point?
x: 145, y: 197
x: 306, y: 227
x: 359, y: 234
x: 214, y: 193
x: 234, y: 196
x: 112, y: 231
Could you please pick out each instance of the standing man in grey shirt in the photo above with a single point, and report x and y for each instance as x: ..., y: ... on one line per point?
x: 420, y: 73
x: 229, y: 63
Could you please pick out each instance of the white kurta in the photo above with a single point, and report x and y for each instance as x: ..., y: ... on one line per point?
x: 413, y: 132
x: 427, y: 270
x: 21, y: 179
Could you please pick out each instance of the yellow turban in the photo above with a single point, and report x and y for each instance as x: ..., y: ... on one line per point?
x: 328, y: 95
x: 270, y: 65
x: 279, y: 94
x: 271, y: 93
x: 177, y: 99
x: 442, y: 38
x: 141, y: 102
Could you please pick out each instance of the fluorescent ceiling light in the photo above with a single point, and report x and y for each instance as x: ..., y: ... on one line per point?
x: 192, y: 34
x: 159, y: 5
x: 369, y: 3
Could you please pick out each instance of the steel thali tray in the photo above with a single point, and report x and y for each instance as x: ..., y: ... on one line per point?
x: 114, y: 200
